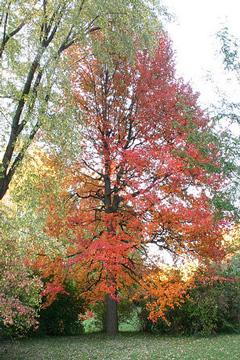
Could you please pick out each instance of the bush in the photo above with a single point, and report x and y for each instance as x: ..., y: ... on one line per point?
x: 19, y: 300
x: 62, y: 316
x: 19, y: 288
x: 210, y: 309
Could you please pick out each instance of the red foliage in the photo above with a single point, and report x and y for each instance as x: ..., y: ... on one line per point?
x: 146, y: 170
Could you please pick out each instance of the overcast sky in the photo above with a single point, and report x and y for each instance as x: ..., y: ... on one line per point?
x: 197, y: 50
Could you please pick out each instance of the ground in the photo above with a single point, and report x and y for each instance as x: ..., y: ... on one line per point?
x: 124, y: 346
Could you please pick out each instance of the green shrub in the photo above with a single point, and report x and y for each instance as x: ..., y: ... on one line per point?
x: 62, y: 316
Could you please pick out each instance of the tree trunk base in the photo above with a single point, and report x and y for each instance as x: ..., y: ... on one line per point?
x: 111, y: 316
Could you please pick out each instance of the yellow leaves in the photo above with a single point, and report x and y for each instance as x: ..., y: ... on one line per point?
x: 232, y: 241
x: 36, y: 175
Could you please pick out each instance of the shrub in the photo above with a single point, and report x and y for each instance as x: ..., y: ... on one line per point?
x: 211, y: 308
x: 19, y: 299
x: 62, y: 316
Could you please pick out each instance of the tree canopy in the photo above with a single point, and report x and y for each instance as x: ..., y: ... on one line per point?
x: 147, y: 171
x: 34, y: 38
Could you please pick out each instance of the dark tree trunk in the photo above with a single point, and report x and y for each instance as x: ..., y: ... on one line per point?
x: 4, y: 183
x: 111, y: 316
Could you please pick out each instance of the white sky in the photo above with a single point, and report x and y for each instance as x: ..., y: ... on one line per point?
x: 197, y: 50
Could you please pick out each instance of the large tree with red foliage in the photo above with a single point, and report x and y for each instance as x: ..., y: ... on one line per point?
x: 148, y: 167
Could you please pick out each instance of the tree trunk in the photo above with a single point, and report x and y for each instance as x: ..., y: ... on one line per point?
x: 111, y: 316
x: 3, y: 186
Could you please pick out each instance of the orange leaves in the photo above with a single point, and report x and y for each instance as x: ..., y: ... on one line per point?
x: 163, y: 289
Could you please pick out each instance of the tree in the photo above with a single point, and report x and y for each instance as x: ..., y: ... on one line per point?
x: 147, y: 171
x: 22, y: 218
x: 227, y: 113
x: 34, y: 37
x: 19, y: 288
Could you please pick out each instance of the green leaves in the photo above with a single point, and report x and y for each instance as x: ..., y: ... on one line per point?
x: 229, y: 49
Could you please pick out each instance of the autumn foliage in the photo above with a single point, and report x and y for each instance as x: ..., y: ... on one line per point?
x: 148, y: 167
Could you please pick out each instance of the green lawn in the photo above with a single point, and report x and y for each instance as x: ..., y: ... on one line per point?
x: 124, y: 346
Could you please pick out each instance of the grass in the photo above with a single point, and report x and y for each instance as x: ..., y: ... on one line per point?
x: 124, y: 346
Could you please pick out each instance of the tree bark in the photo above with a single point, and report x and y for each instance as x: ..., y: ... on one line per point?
x: 4, y: 183
x: 111, y: 316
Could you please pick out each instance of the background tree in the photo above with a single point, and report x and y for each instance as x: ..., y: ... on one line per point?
x: 226, y: 115
x: 34, y: 36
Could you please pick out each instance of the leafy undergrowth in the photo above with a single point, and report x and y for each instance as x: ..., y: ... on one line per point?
x: 124, y: 346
